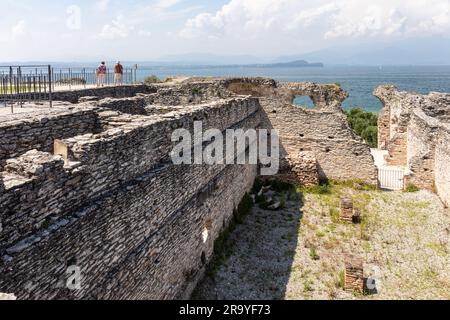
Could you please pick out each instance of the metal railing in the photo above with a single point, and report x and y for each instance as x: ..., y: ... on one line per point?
x: 37, y: 83
x: 21, y: 84
x: 69, y: 78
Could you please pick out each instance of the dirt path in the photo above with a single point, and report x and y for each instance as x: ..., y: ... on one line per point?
x: 298, y: 252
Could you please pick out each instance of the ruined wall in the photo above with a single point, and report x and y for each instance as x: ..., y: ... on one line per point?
x: 105, y: 92
x: 38, y: 131
x: 323, y: 131
x: 138, y: 226
x: 393, y: 122
x: 134, y: 223
x: 414, y: 128
x: 442, y: 165
x: 421, y: 144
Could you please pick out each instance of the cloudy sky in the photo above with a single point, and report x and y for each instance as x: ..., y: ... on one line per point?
x: 69, y: 30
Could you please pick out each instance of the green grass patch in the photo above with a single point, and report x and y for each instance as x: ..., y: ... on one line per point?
x: 410, y: 187
x: 335, y: 215
x: 321, y: 189
x: 313, y: 254
x: 341, y: 280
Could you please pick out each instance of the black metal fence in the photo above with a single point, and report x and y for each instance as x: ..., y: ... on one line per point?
x: 37, y: 83
x: 20, y: 84
x: 69, y: 78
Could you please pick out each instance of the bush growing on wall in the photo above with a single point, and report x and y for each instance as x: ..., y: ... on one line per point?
x: 152, y: 79
x: 365, y: 124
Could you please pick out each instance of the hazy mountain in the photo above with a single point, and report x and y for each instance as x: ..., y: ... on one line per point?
x: 426, y: 51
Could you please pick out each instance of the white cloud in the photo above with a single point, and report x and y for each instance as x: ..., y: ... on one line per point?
x: 117, y: 29
x: 145, y: 33
x: 19, y: 29
x: 323, y: 19
x: 102, y: 5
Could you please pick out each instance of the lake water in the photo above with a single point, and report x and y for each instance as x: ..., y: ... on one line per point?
x: 358, y: 81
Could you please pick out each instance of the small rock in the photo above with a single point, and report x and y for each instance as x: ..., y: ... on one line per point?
x: 275, y: 206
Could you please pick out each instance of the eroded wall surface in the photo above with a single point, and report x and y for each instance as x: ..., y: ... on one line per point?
x: 111, y: 202
x: 413, y: 129
x: 117, y: 208
x: 324, y: 131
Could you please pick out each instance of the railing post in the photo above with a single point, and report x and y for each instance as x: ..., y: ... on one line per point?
x: 70, y: 79
x: 50, y: 98
x: 11, y: 87
x: 84, y: 77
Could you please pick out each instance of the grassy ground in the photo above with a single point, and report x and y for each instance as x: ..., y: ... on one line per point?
x: 298, y: 252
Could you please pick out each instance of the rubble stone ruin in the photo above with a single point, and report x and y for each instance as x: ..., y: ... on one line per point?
x: 415, y: 130
x: 90, y: 183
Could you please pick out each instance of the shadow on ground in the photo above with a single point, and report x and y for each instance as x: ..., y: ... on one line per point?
x: 261, y: 255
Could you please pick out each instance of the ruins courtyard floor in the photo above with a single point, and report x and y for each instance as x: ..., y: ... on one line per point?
x: 298, y: 252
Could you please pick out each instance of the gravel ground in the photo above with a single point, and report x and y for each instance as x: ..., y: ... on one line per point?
x: 298, y: 252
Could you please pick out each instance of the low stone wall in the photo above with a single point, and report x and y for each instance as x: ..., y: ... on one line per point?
x: 38, y: 131
x: 105, y: 92
x: 133, y: 222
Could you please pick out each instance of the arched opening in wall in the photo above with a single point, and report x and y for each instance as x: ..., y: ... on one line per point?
x: 304, y: 102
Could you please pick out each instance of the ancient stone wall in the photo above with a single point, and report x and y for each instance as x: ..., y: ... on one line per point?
x: 442, y: 165
x: 323, y: 131
x: 413, y: 128
x: 38, y: 131
x: 118, y: 208
x: 111, y: 202
x: 421, y: 144
x: 101, y: 93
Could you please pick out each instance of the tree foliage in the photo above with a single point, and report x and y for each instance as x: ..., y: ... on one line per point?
x: 365, y: 124
x: 152, y: 79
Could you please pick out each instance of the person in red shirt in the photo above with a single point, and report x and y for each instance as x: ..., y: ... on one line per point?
x: 118, y: 74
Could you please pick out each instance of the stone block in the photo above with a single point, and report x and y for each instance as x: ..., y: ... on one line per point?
x: 346, y: 214
x: 354, y: 275
x: 61, y: 149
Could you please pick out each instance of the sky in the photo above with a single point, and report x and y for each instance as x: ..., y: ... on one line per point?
x: 145, y: 30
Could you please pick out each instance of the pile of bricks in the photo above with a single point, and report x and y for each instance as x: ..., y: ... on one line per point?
x: 354, y: 275
x: 346, y: 214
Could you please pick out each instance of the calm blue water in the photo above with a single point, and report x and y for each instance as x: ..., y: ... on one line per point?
x: 358, y: 81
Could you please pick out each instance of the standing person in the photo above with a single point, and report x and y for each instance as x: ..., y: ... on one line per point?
x: 118, y: 74
x: 101, y: 74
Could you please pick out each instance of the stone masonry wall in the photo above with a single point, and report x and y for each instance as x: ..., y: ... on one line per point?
x: 133, y: 222
x: 38, y: 131
x: 418, y: 126
x: 422, y: 136
x: 442, y: 165
x: 105, y: 92
x: 137, y: 226
x: 322, y: 131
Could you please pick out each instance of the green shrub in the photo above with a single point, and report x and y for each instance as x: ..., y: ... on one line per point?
x: 341, y: 282
x: 335, y: 215
x: 324, y: 188
x: 365, y: 124
x: 152, y: 79
x: 411, y: 188
x: 313, y: 254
